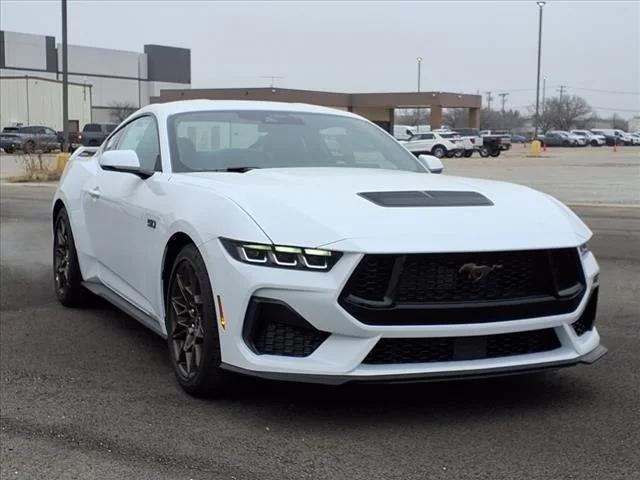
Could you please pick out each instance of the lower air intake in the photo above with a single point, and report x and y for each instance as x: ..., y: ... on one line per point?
x: 273, y: 328
x: 426, y: 350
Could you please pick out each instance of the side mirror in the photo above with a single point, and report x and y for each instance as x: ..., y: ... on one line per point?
x: 125, y: 161
x: 431, y: 163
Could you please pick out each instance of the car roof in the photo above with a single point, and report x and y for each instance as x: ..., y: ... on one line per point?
x: 183, y: 106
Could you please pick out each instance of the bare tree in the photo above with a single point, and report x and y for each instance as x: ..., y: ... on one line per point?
x: 456, y: 117
x: 121, y: 110
x: 564, y: 113
x: 494, y: 120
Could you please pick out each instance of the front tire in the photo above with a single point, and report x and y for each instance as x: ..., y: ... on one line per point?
x: 496, y: 153
x: 192, y: 326
x: 467, y: 154
x: 438, y: 151
x: 484, y: 152
x: 66, y: 268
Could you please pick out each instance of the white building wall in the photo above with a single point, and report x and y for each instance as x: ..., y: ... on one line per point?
x: 39, y: 102
x: 23, y: 50
x: 102, y: 61
x: 107, y: 91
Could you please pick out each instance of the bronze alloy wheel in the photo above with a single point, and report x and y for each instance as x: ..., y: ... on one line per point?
x: 61, y: 255
x: 185, y: 319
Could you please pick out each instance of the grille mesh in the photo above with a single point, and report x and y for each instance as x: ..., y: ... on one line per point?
x: 425, y: 350
x: 275, y: 338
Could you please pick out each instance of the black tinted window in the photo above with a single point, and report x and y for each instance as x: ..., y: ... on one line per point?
x: 92, y: 127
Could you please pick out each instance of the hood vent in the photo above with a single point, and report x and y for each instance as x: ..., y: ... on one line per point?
x: 417, y: 198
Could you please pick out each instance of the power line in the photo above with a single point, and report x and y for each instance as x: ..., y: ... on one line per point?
x: 616, y: 92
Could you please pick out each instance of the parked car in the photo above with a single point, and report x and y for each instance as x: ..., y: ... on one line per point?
x: 472, y: 140
x: 614, y: 136
x: 590, y: 138
x: 379, y: 272
x: 636, y: 138
x: 576, y: 140
x: 432, y: 143
x: 559, y: 139
x: 518, y: 139
x: 28, y: 139
x: 463, y: 144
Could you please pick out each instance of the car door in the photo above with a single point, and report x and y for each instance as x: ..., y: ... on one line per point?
x: 50, y: 138
x: 120, y: 217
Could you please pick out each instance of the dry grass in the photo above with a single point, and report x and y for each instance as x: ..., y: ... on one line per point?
x: 36, y: 168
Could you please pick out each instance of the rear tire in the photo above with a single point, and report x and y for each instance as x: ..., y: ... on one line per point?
x: 29, y: 147
x: 192, y: 327
x: 438, y: 151
x: 67, y: 277
x: 484, y: 152
x: 496, y: 153
x: 459, y: 153
x: 468, y: 154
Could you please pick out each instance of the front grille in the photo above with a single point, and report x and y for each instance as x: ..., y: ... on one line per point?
x: 463, y: 287
x: 272, y: 327
x: 426, y: 350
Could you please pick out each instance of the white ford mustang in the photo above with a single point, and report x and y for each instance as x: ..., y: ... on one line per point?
x: 303, y: 243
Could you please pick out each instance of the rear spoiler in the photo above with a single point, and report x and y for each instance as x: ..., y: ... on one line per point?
x: 83, y: 152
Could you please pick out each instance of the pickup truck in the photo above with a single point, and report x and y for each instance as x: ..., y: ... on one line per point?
x: 28, y: 139
x: 494, y: 142
x: 92, y: 135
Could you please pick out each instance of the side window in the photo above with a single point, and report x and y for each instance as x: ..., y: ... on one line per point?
x: 427, y: 136
x: 49, y: 131
x: 141, y: 135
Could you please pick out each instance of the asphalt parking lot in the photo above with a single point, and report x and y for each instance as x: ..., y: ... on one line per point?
x: 91, y: 394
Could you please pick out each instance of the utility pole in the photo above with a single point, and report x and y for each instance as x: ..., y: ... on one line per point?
x: 561, y: 90
x: 540, y: 6
x: 273, y: 79
x: 489, y: 98
x: 503, y: 98
x: 65, y: 82
x: 419, y: 60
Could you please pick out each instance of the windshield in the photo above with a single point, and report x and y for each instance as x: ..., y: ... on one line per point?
x: 219, y: 140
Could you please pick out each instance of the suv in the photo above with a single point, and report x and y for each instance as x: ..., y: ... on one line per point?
x: 432, y: 143
x: 28, y: 139
x: 592, y: 139
x: 472, y: 140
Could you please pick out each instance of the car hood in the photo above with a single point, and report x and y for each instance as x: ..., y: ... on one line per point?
x: 321, y: 207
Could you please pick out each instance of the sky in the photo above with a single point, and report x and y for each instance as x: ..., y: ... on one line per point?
x: 591, y: 47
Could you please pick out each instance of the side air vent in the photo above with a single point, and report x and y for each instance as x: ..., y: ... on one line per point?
x: 427, y: 199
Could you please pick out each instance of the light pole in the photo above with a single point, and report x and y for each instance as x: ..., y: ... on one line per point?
x: 419, y: 60
x: 540, y: 6
x: 65, y: 82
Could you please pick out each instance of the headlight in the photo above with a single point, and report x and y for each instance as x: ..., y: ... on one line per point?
x: 583, y: 249
x: 281, y: 256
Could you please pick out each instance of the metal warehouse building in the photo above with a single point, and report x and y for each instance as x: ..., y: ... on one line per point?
x: 114, y: 76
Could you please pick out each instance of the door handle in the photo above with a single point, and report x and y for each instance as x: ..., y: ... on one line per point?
x: 95, y: 192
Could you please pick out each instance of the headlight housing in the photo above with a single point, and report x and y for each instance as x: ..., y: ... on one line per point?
x: 281, y: 256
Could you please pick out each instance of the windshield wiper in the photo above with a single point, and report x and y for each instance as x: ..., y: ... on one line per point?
x: 237, y: 169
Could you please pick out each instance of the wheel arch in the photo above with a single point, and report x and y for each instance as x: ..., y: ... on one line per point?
x: 176, y: 242
x: 57, y: 206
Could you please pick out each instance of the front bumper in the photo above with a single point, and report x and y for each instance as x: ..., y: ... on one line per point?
x: 339, y: 358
